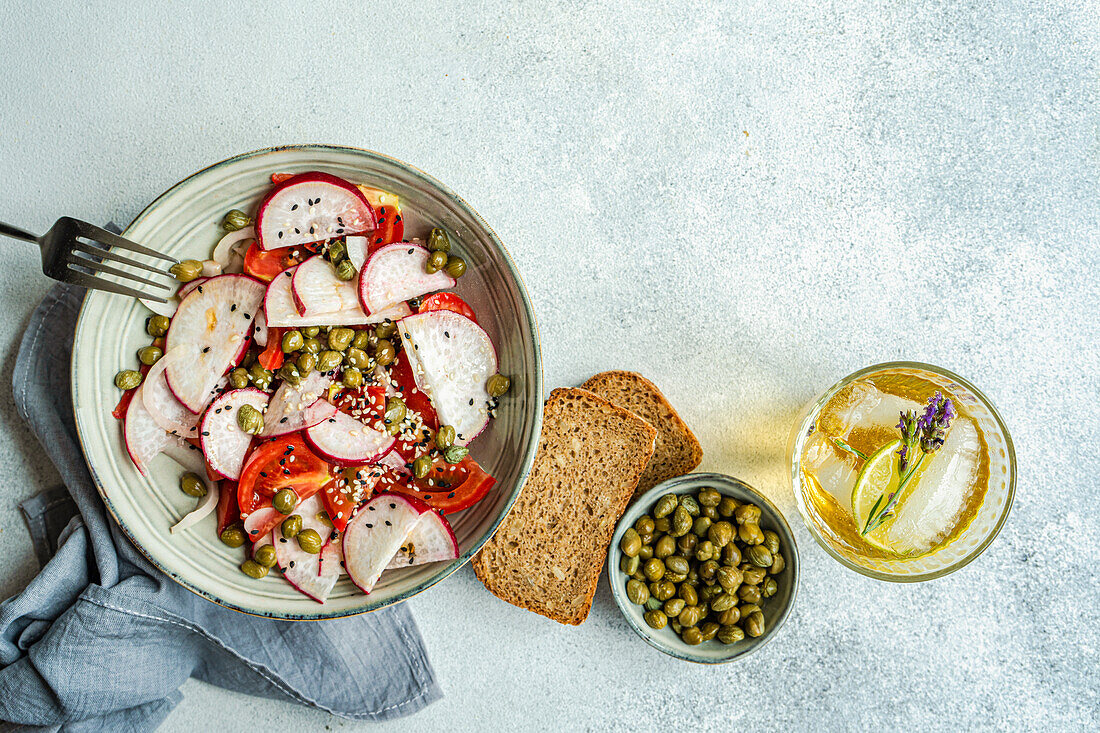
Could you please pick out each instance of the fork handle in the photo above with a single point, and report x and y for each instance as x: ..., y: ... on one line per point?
x: 17, y: 233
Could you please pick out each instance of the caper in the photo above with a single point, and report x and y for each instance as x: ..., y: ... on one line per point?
x: 664, y: 547
x: 340, y: 338
x: 498, y: 385
x: 639, y: 575
x: 285, y: 500
x: 291, y: 526
x: 644, y: 524
x: 729, y: 577
x: 750, y: 534
x: 436, y: 262
x: 692, y: 636
x: 688, y: 502
x: 700, y: 526
x: 629, y: 565
x: 723, y: 602
x: 751, y: 574
x: 754, y: 624
x: 384, y: 353
x: 456, y: 266
x: 351, y: 377
x: 438, y: 241
x: 396, y: 411
x: 306, y: 363
x: 312, y: 346
x: 747, y: 514
x: 250, y: 420
x: 192, y: 485
x: 709, y: 630
x: 729, y: 616
x: 778, y: 563
x: 336, y: 252
x: 706, y: 592
x: 456, y: 454
x: 690, y: 616
x: 631, y: 542
x: 771, y: 541
x: 149, y: 355
x: 708, y: 571
x: 686, y: 544
x: 260, y: 377
x: 637, y: 592
x: 662, y: 524
x: 253, y: 569
x: 727, y: 506
x: 769, y: 588
x: 654, y: 568
x: 288, y: 372
x: 345, y: 270
x: 265, y: 555
x: 292, y: 341
x: 656, y: 619
x: 665, y: 506
x: 747, y: 609
x: 358, y: 358
x: 647, y: 537
x: 681, y: 522
x: 646, y: 552
x: 675, y: 577
x: 157, y: 325
x: 731, y: 554
x: 238, y: 378
x: 749, y: 593
x: 759, y: 556
x: 186, y: 271
x: 673, y: 606
x: 710, y: 512
x: 421, y: 466
x: 688, y: 593
x: 720, y: 533
x: 677, y: 564
x: 709, y: 497
x: 652, y: 604
x: 730, y: 634
x: 328, y: 360
x: 233, y: 536
x: 235, y: 219
x: 705, y: 551
x: 311, y: 331
x: 127, y: 379
x: 309, y: 541
x: 663, y: 590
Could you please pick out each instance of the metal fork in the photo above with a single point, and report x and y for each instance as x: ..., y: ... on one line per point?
x: 73, y: 250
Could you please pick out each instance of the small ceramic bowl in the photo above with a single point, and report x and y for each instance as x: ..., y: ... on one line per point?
x: 775, y: 609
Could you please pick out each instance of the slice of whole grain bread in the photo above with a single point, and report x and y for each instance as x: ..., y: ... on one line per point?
x: 678, y: 452
x: 547, y: 554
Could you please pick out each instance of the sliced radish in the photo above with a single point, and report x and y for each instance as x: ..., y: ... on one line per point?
x: 295, y: 407
x: 167, y: 412
x: 430, y: 540
x: 261, y: 521
x: 210, y: 327
x: 224, y: 444
x: 452, y: 358
x: 312, y: 207
x: 375, y: 533
x: 281, y: 310
x: 187, y: 287
x: 144, y: 438
x: 358, y: 248
x: 332, y: 557
x: 394, y: 460
x: 396, y: 273
x: 259, y: 329
x: 305, y: 571
x: 316, y: 289
x: 344, y: 440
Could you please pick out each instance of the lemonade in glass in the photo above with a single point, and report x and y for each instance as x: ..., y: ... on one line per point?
x: 902, y: 471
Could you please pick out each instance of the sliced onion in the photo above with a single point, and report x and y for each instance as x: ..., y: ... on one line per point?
x: 225, y: 246
x: 211, y: 268
x: 191, y: 459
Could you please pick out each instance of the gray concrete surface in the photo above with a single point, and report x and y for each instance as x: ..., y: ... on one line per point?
x: 744, y: 201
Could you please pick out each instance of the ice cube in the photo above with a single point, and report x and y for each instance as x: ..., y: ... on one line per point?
x: 862, y: 405
x: 835, y: 470
x: 932, y: 504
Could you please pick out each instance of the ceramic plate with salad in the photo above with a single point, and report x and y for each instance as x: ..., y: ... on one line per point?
x: 339, y: 404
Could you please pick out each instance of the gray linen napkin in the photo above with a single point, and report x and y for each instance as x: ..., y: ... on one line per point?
x: 101, y: 640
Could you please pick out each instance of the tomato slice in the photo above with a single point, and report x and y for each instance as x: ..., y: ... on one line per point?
x: 447, y: 302
x: 280, y: 177
x: 453, y: 487
x: 284, y: 462
x: 271, y: 358
x: 228, y: 512
x: 415, y: 400
x: 266, y: 264
x: 391, y: 225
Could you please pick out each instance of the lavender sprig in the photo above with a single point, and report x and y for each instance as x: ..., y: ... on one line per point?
x: 926, y: 432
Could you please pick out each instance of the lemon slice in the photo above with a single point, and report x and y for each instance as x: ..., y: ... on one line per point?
x: 878, y: 478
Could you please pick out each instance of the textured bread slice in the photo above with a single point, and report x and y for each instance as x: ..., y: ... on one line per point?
x: 547, y: 554
x: 678, y: 452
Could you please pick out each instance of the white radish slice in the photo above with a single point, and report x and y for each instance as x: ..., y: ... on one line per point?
x: 430, y: 540
x: 281, y: 310
x: 317, y: 289
x: 312, y: 207
x: 211, y: 326
x: 332, y: 558
x: 167, y: 412
x: 223, y: 442
x: 224, y: 250
x: 259, y: 329
x: 375, y: 533
x: 357, y: 251
x: 260, y: 521
x: 396, y: 273
x: 144, y: 438
x: 452, y: 358
x: 344, y: 440
x: 295, y: 407
x: 305, y: 571
x: 187, y: 287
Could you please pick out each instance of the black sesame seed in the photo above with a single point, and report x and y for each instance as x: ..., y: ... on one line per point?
x: 410, y: 251
x: 205, y: 349
x: 371, y: 508
x: 393, y: 506
x: 296, y: 230
x: 205, y: 433
x: 294, y: 207
x: 388, y: 523
x: 283, y: 419
x: 232, y: 307
x: 370, y: 526
x: 291, y: 563
x: 263, y: 473
x: 451, y: 495
x: 199, y: 288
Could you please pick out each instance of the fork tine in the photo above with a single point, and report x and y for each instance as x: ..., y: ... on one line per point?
x: 79, y: 278
x: 107, y: 254
x: 99, y: 267
x: 111, y: 239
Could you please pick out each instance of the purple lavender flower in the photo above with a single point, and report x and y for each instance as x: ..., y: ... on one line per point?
x: 934, y: 423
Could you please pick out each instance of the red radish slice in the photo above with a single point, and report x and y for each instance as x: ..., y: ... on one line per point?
x: 312, y: 207
x: 430, y: 540
x: 332, y: 558
x: 358, y: 249
x: 210, y: 327
x: 260, y: 522
x: 187, y: 287
x: 375, y: 533
x: 452, y: 358
x: 295, y: 407
x: 144, y: 438
x: 305, y: 571
x: 259, y: 329
x: 224, y: 444
x: 317, y: 289
x: 344, y: 440
x: 396, y: 273
x: 281, y: 310
x: 167, y: 412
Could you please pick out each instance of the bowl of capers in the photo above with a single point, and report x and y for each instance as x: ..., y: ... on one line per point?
x: 704, y: 568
